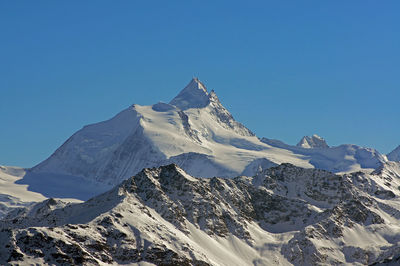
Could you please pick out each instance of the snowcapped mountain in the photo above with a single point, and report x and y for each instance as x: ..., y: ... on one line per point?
x: 314, y: 141
x: 394, y: 155
x: 268, y: 206
x: 194, y: 131
x: 194, y: 95
x: 284, y: 215
x: 342, y: 158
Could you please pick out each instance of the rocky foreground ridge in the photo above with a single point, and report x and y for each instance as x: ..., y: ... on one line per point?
x: 284, y: 215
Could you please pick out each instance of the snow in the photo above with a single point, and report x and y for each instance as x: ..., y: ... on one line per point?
x: 14, y: 194
x: 284, y: 215
x: 314, y: 141
x: 161, y: 208
x: 8, y: 178
x: 147, y: 136
x: 394, y: 155
x: 194, y: 95
x: 344, y: 158
x: 92, y: 146
x: 198, y: 133
x: 194, y: 131
x: 222, y: 251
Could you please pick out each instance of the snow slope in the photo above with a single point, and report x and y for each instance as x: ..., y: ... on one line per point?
x: 194, y: 131
x: 394, y: 155
x: 343, y: 158
x: 14, y: 195
x: 285, y: 215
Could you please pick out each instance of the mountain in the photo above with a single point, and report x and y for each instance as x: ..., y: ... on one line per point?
x: 314, y: 141
x: 343, y: 158
x: 285, y: 215
x: 394, y: 155
x: 15, y: 193
x: 194, y: 131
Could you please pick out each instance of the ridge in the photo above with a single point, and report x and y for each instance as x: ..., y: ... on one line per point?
x: 194, y: 95
x: 394, y: 155
x: 314, y: 141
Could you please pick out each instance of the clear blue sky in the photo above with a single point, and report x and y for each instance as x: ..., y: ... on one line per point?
x: 283, y: 68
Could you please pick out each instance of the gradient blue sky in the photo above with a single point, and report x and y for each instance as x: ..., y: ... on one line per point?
x: 283, y: 68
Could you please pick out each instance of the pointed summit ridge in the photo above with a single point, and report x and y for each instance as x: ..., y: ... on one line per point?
x: 194, y: 95
x: 394, y: 155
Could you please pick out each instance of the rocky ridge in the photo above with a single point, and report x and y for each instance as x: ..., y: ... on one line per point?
x: 284, y: 215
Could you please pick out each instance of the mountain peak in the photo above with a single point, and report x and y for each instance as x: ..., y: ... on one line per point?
x: 198, y: 83
x: 394, y: 155
x: 194, y: 95
x: 314, y: 141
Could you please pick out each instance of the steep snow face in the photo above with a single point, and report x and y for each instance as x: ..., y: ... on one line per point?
x: 394, y: 155
x: 285, y: 215
x: 194, y: 95
x: 88, y: 150
x: 195, y: 131
x: 195, y: 125
x: 314, y: 141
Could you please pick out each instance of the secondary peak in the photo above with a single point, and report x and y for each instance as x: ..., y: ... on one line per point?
x: 314, y: 141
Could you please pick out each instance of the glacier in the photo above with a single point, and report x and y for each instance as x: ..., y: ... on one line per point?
x: 195, y: 131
